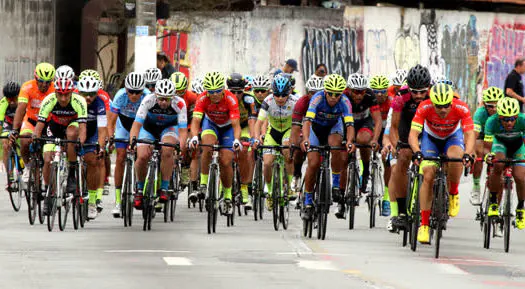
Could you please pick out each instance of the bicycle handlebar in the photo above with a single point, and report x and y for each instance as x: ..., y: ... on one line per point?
x: 158, y: 143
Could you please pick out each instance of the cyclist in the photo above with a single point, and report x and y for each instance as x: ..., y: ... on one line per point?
x: 504, y: 133
x: 161, y: 116
x: 367, y: 120
x: 8, y: 106
x: 151, y: 76
x: 120, y: 120
x: 248, y: 88
x: 219, y: 111
x: 277, y: 109
x: 446, y: 128
x: 404, y: 108
x: 236, y: 84
x: 196, y: 86
x: 65, y: 71
x: 490, y: 99
x: 189, y: 171
x: 65, y: 115
x: 379, y: 86
x: 261, y: 89
x: 32, y: 93
x: 313, y: 85
x: 323, y: 125
x: 96, y: 132
x: 398, y: 79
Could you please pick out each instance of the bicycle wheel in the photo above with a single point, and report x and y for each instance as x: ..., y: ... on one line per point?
x: 130, y: 186
x: 175, y: 179
x: 371, y: 202
x: 13, y: 181
x: 257, y: 188
x: 236, y: 190
x: 507, y: 217
x: 327, y: 201
x: 211, y: 202
x: 32, y: 197
x: 487, y: 227
x: 83, y: 197
x: 51, y: 198
x: 63, y: 212
x: 75, y: 210
x: 352, y: 188
x: 276, y: 193
x: 439, y: 212
x: 148, y: 206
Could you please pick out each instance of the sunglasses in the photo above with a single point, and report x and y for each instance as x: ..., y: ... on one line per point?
x: 280, y: 95
x: 150, y: 85
x: 237, y: 91
x: 508, y: 119
x: 358, y: 91
x: 493, y: 106
x: 163, y: 98
x: 419, y: 91
x: 88, y: 94
x: 333, y: 94
x: 135, y: 91
x: 43, y: 81
x: 440, y: 106
x: 260, y: 90
x: 379, y: 91
x: 217, y: 91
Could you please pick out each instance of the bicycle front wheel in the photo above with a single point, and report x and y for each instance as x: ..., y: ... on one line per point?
x: 63, y: 212
x: 276, y: 193
x: 414, y: 211
x: 32, y: 195
x: 51, y: 198
x: 352, y: 189
x: 211, y: 200
x: 507, y: 218
x: 13, y: 181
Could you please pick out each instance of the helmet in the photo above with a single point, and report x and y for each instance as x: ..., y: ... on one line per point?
x: 314, y: 84
x: 281, y: 85
x: 290, y: 77
x: 236, y: 81
x: 45, y: 71
x: 443, y: 79
x: 418, y: 77
x: 179, y: 80
x: 399, y: 77
x: 441, y: 94
x: 165, y: 88
x: 64, y: 85
x: 152, y: 75
x: 249, y: 81
x: 261, y: 81
x: 508, y: 106
x: 88, y: 84
x: 334, y: 83
x: 492, y: 94
x: 213, y: 81
x: 357, y: 81
x: 11, y: 89
x: 196, y: 86
x: 65, y: 71
x: 135, y: 81
x: 379, y: 82
x: 89, y: 72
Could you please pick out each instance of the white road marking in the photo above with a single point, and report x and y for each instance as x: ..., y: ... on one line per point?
x: 177, y: 261
x: 145, y: 251
x: 451, y: 269
x: 316, y: 265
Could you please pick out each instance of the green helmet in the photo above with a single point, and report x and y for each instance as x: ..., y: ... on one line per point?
x: 441, y: 94
x: 45, y: 71
x: 180, y: 81
x: 508, y: 106
x: 334, y: 83
x: 492, y: 94
x: 213, y: 81
x: 89, y: 72
x: 379, y: 82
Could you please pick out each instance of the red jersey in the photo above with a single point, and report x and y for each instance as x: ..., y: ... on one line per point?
x: 300, y: 109
x: 458, y: 118
x: 105, y: 98
x: 219, y: 113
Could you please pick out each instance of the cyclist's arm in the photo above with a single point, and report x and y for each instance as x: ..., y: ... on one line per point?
x: 135, y: 129
x: 350, y: 134
x: 236, y: 124
x: 470, y: 142
x: 183, y: 136
x: 378, y: 125
x: 489, y: 135
x: 82, y: 129
x: 112, y: 120
x: 80, y: 106
x: 38, y: 129
x: 413, y: 139
x: 296, y: 134
x: 306, y: 129
x: 19, y: 115
x: 195, y: 125
x: 251, y: 127
x: 394, y: 127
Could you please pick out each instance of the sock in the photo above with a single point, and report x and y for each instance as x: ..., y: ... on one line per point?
x: 244, y: 191
x: 250, y: 189
x: 117, y: 196
x: 92, y: 197
x: 402, y: 206
x: 100, y: 191
x: 290, y: 177
x: 385, y: 195
x: 297, y: 169
x: 453, y: 189
x: 520, y: 205
x: 476, y: 183
x: 106, y: 180
x: 308, y: 196
x: 140, y: 185
x: 493, y: 197
x: 335, y: 179
x: 204, y: 179
x: 425, y: 217
x: 194, y: 184
x: 269, y: 188
x: 228, y: 193
x: 394, y: 211
x: 164, y: 184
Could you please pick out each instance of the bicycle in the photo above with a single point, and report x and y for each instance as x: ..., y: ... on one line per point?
x: 128, y: 183
x: 375, y: 196
x: 35, y: 193
x: 258, y: 186
x: 81, y: 196
x: 280, y: 187
x: 411, y: 226
x: 175, y: 187
x: 15, y: 167
x: 190, y: 155
x: 353, y: 185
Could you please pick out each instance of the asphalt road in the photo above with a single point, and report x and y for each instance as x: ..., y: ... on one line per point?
x: 249, y: 255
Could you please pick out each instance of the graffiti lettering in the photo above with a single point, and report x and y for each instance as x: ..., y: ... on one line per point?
x: 406, y: 49
x: 377, y: 52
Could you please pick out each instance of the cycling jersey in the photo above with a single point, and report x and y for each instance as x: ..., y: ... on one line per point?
x: 221, y: 113
x: 154, y: 118
x: 300, y: 109
x: 391, y: 91
x: 103, y: 95
x: 494, y: 129
x: 404, y: 104
x: 279, y: 117
x: 384, y: 108
x: 51, y: 110
x: 480, y: 118
x: 7, y: 113
x: 246, y: 109
x: 458, y: 118
x: 363, y: 110
x: 320, y: 113
x: 126, y: 109
x: 190, y: 98
x: 96, y: 117
x: 30, y: 94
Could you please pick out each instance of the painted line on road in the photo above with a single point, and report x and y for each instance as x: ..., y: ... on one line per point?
x: 177, y: 261
x: 504, y: 283
x: 352, y: 272
x: 451, y: 269
x: 316, y: 265
x: 145, y: 251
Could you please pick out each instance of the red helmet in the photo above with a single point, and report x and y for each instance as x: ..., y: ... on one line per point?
x: 64, y: 85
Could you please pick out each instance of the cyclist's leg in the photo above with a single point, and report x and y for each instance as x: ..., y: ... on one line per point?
x: 168, y: 135
x: 429, y: 149
x: 476, y: 173
x: 143, y: 156
x: 314, y: 162
x: 93, y: 174
x: 269, y: 157
x: 518, y: 171
x: 225, y: 137
x: 287, y: 160
x: 6, y: 146
x: 245, y: 165
x: 335, y: 139
x: 363, y: 136
x: 209, y: 137
x: 27, y: 129
x: 454, y: 148
x: 120, y: 133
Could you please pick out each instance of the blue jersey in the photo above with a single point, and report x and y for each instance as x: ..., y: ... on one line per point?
x: 96, y: 117
x: 126, y: 109
x: 154, y: 118
x: 320, y: 113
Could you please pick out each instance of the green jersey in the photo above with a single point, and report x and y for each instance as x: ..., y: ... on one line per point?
x: 480, y: 118
x: 494, y: 130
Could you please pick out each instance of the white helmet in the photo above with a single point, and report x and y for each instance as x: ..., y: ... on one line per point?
x: 135, y: 81
x: 399, y: 77
x: 64, y: 71
x: 88, y: 84
x: 315, y: 84
x: 152, y: 75
x: 196, y: 86
x: 165, y: 88
x: 261, y: 81
x: 357, y: 81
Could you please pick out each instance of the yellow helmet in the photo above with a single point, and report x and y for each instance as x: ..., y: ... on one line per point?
x: 492, y: 94
x: 379, y: 82
x: 180, y: 81
x: 334, y: 83
x: 45, y: 71
x: 508, y: 106
x: 213, y: 81
x: 441, y: 94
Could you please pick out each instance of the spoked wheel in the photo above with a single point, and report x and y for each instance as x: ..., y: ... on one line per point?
x: 487, y: 227
x: 15, y: 193
x: 276, y: 193
x: 261, y: 207
x: 166, y: 210
x: 147, y: 214
x: 83, y: 212
x: 285, y: 214
x: 76, y: 212
x: 173, y: 206
x: 62, y: 213
x: 405, y: 236
x: 41, y: 217
x: 52, y: 211
x: 307, y: 228
x: 211, y: 202
x: 255, y: 206
x: 415, y: 214
x: 32, y: 207
x: 126, y: 195
x: 438, y: 233
x: 129, y: 208
x: 352, y: 189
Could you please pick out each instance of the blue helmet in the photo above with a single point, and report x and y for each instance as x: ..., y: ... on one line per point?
x: 281, y: 85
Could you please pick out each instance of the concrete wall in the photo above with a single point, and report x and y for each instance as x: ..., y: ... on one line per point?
x: 27, y: 33
x: 473, y: 49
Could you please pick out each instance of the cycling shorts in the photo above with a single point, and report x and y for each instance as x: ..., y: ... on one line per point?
x: 434, y: 147
x: 319, y: 134
x: 364, y: 126
x: 481, y: 136
x: 91, y: 139
x: 512, y: 150
x: 274, y: 138
x: 28, y: 126
x: 54, y: 130
x: 172, y: 131
x: 223, y: 134
x: 121, y: 133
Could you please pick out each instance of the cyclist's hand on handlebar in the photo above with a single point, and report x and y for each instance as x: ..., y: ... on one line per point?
x: 489, y: 158
x: 237, y: 145
x: 417, y: 158
x: 468, y: 160
x: 350, y: 147
x: 256, y: 143
x: 374, y: 145
x: 386, y: 149
x: 13, y: 135
x: 305, y: 145
x: 194, y: 142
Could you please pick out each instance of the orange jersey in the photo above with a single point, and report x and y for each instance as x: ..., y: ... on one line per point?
x: 30, y: 94
x: 391, y: 91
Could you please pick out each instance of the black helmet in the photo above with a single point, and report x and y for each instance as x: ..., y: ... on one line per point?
x: 236, y: 81
x: 418, y: 77
x: 11, y: 89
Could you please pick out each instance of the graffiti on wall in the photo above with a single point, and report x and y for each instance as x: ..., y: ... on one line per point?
x: 406, y: 48
x: 174, y: 42
x: 337, y: 47
x: 377, y: 52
